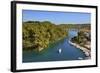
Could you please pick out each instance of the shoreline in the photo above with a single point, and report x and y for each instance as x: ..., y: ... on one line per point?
x: 85, y: 51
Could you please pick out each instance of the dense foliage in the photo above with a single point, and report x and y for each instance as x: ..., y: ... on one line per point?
x: 82, y: 38
x: 38, y: 35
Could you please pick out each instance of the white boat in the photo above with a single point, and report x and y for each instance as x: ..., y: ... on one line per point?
x: 60, y: 50
x: 87, y: 54
x: 80, y: 58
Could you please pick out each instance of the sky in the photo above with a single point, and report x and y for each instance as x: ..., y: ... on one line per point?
x: 56, y: 17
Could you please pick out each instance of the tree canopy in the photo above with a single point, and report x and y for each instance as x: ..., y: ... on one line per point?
x: 37, y: 35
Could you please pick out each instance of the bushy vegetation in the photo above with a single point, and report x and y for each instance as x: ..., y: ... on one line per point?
x: 82, y: 38
x: 38, y: 35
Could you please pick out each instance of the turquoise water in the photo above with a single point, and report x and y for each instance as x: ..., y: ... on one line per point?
x: 51, y: 53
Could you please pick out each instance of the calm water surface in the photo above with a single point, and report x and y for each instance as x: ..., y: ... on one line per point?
x: 51, y: 53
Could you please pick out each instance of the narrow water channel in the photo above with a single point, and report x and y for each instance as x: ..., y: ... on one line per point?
x: 68, y: 52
